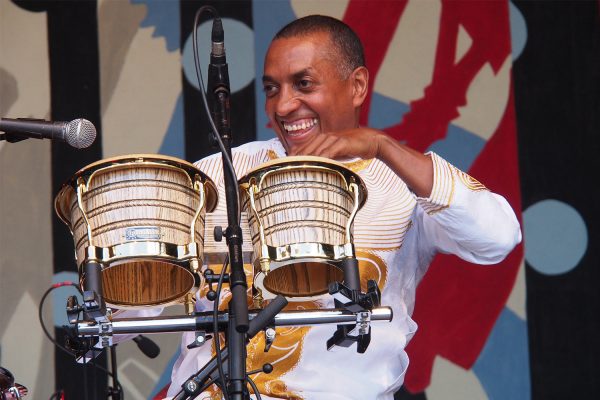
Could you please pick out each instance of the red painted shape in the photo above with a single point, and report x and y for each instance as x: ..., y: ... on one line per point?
x: 487, y: 24
x: 375, y: 24
x: 457, y: 302
x: 162, y: 394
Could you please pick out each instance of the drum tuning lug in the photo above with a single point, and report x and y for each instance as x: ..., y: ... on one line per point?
x: 199, y: 340
x: 270, y: 334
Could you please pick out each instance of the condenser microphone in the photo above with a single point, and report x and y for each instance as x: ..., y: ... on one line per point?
x: 218, y: 74
x: 79, y: 133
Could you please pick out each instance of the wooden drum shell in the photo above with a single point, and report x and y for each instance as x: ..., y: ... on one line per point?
x: 146, y: 204
x: 304, y: 205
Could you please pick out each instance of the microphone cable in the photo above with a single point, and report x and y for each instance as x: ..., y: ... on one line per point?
x: 57, y: 344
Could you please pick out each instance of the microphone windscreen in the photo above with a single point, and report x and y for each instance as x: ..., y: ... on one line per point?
x: 80, y: 133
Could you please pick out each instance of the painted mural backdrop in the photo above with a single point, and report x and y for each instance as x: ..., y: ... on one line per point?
x: 505, y: 90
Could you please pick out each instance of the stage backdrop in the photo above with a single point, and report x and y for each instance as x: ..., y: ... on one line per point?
x: 507, y: 91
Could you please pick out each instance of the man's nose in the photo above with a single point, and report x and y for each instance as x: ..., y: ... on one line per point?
x: 287, y: 102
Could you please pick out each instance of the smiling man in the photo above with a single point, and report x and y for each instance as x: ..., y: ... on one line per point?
x: 315, y: 81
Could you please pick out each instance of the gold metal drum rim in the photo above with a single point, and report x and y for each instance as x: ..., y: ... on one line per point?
x: 157, y: 160
x: 307, y: 251
x: 304, y: 162
x: 181, y: 255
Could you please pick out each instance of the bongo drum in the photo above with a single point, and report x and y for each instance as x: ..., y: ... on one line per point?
x: 301, y: 211
x: 142, y: 218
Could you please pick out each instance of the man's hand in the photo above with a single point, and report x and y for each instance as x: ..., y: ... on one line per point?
x: 414, y: 168
x: 359, y: 142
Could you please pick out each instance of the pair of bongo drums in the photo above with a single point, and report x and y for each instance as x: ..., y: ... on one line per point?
x: 143, y: 217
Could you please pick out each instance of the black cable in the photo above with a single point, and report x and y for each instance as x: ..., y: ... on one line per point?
x: 54, y: 341
x: 254, y: 387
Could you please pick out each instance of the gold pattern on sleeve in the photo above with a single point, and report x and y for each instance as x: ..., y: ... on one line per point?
x: 359, y: 165
x: 444, y: 186
x: 470, y: 182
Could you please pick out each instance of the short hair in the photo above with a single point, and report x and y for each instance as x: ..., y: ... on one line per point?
x: 341, y: 36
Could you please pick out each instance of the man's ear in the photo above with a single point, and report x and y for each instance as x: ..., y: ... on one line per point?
x: 360, y: 85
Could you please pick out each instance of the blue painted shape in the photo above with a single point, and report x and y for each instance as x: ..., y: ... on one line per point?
x: 503, y: 364
x: 174, y: 143
x: 165, y: 377
x: 59, y: 297
x: 460, y: 147
x: 164, y: 16
x: 556, y: 237
x: 268, y: 17
x: 385, y: 111
x: 518, y: 31
x: 239, y: 43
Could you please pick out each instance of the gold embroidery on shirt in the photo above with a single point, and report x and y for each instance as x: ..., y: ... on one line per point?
x: 470, y: 182
x: 359, y: 165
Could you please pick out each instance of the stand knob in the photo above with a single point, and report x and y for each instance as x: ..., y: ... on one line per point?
x: 218, y: 233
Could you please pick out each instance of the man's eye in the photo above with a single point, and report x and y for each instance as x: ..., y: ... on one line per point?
x: 304, y: 84
x: 269, y: 89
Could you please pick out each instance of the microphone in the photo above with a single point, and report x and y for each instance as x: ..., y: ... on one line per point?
x: 79, y: 133
x: 147, y: 346
x: 218, y: 74
x: 218, y: 92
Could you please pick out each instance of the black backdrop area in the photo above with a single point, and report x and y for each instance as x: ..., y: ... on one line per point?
x: 557, y: 92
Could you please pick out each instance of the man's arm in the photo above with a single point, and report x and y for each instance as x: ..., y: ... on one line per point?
x: 414, y: 168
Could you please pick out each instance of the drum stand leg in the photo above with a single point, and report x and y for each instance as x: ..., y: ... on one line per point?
x: 93, y: 300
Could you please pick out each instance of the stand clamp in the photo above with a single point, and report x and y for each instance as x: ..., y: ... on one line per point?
x: 359, y: 303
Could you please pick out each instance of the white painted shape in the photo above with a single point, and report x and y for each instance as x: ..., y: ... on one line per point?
x: 451, y: 382
x: 22, y: 345
x: 333, y: 8
x: 24, y: 55
x: 408, y: 65
x: 141, y: 108
x: 518, y: 296
x: 487, y: 97
x: 463, y: 44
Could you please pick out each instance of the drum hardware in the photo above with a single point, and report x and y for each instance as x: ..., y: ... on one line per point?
x: 210, y: 277
x: 360, y: 304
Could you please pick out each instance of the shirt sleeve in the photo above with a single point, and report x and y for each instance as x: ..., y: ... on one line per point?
x: 462, y: 217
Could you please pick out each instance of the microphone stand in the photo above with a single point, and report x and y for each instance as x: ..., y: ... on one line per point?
x: 238, y: 305
x: 114, y: 392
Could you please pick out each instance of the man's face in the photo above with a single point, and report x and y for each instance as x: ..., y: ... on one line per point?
x: 305, y: 91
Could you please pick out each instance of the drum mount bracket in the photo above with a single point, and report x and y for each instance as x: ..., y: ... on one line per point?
x: 359, y: 303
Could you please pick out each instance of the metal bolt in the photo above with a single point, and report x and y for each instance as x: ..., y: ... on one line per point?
x: 191, y: 386
x: 270, y: 333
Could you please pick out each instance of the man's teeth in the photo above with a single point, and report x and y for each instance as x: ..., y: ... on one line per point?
x: 300, y: 126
